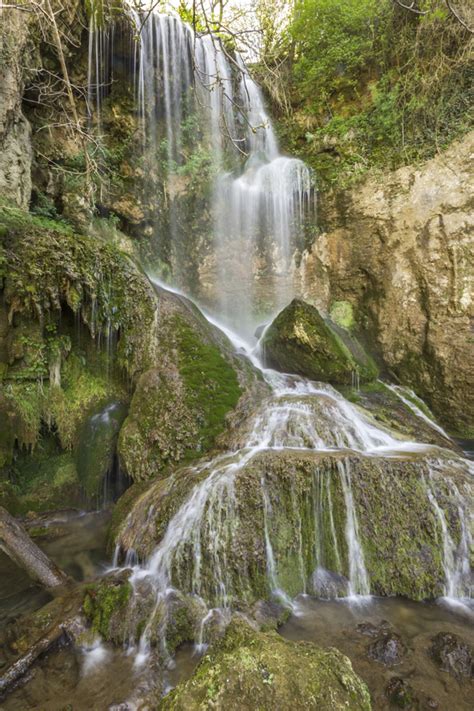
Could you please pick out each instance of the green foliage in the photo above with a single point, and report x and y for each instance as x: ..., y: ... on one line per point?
x: 373, y: 85
x: 335, y: 42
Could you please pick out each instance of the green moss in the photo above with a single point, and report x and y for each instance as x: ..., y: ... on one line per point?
x: 342, y: 313
x: 300, y: 341
x: 250, y: 669
x: 212, y: 387
x: 103, y: 602
x: 121, y: 510
x: 44, y: 480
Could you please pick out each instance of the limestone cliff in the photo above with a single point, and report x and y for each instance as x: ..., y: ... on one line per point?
x: 400, y: 249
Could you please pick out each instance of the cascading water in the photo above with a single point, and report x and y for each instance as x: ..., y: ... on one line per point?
x: 258, y: 215
x: 186, y: 84
x: 458, y: 581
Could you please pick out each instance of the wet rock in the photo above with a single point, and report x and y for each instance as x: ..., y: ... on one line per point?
x: 329, y: 585
x: 248, y: 669
x: 388, y: 650
x: 400, y: 694
x: 259, y: 330
x: 395, y: 235
x: 269, y: 614
x: 369, y: 629
x: 389, y: 496
x: 452, y: 655
x: 300, y: 341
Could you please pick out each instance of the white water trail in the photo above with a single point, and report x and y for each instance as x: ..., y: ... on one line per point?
x: 456, y: 558
x: 410, y: 399
x: 358, y: 578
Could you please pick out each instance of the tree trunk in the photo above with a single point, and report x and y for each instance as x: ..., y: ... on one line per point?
x: 18, y: 546
x: 66, y: 629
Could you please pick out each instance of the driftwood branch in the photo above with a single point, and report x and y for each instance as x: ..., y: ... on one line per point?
x: 65, y: 629
x: 18, y: 546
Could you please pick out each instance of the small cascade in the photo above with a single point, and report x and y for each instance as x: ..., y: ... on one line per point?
x: 358, y: 577
x: 100, y: 68
x: 458, y: 582
x: 270, y: 557
x: 416, y: 405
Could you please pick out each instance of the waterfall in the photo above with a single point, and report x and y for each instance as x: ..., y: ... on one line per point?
x: 192, y: 97
x: 416, y: 405
x: 259, y: 201
x: 456, y: 557
x: 358, y: 577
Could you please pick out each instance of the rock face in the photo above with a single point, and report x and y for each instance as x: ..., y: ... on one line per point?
x: 308, y: 507
x: 81, y: 326
x: 249, y: 669
x: 300, y: 341
x: 16, y: 153
x: 400, y: 250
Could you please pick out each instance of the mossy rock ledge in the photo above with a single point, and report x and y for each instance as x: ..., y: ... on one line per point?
x: 399, y: 531
x: 248, y: 669
x: 300, y: 341
x: 81, y: 326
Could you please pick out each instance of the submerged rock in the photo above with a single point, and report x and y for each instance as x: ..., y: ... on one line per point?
x: 300, y: 341
x: 453, y: 655
x: 369, y: 629
x: 388, y: 650
x: 249, y: 670
x: 400, y: 694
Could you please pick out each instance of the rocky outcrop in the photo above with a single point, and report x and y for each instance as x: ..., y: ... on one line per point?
x: 248, y: 669
x: 81, y: 326
x: 300, y: 341
x: 399, y: 249
x: 16, y: 153
x: 181, y: 403
x: 309, y: 507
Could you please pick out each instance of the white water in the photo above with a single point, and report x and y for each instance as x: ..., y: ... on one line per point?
x: 258, y: 214
x: 410, y: 399
x: 205, y: 522
x: 458, y: 584
x: 259, y: 199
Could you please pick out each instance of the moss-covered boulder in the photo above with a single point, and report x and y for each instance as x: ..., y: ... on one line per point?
x: 300, y: 341
x: 184, y: 403
x: 216, y: 529
x: 97, y: 445
x: 248, y: 669
x: 80, y: 326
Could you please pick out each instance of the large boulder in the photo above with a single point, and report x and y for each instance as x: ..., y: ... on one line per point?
x: 300, y: 341
x: 372, y: 521
x: 248, y: 669
x: 183, y: 402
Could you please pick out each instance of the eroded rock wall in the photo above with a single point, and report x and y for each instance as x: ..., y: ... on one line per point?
x: 15, y: 132
x: 400, y: 249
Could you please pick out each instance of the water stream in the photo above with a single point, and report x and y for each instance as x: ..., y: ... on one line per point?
x: 259, y: 206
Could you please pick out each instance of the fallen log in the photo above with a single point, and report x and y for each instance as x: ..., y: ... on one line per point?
x: 18, y: 546
x: 67, y: 629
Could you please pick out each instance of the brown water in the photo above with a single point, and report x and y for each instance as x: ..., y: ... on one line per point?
x: 102, y: 678
x: 334, y: 624
x: 74, y: 540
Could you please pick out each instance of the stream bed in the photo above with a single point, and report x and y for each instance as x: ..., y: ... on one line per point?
x: 101, y: 677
